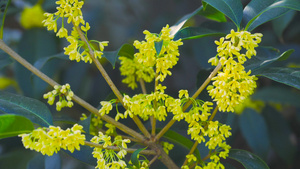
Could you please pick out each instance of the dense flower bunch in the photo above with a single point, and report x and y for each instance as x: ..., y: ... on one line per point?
x: 77, y: 50
x: 133, y: 70
x: 141, y: 66
x: 65, y: 95
x: 51, y: 140
x: 107, y: 158
x: 233, y: 84
x: 32, y: 16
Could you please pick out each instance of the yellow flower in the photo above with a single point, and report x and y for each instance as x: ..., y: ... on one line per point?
x: 32, y: 17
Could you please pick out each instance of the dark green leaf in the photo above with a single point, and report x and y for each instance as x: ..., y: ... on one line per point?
x: 86, y: 124
x: 16, y: 158
x: 288, y: 76
x: 273, y: 11
x: 135, y: 157
x: 196, y: 33
x: 180, y: 140
x: 126, y: 50
x: 247, y: 159
x: 178, y: 25
x: 35, y: 44
x: 281, y: 95
x: 212, y: 13
x: 254, y: 130
x: 264, y: 57
x: 158, y: 47
x: 4, y: 60
x: 33, y: 109
x: 12, y: 125
x: 280, y: 24
x: 39, y: 64
x: 280, y: 134
x: 233, y: 9
x: 3, y: 9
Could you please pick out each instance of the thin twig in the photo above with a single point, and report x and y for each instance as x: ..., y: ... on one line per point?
x: 170, y: 124
x: 110, y: 82
x: 129, y: 150
x: 75, y: 98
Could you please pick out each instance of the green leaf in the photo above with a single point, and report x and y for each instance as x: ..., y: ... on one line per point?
x: 158, y: 47
x: 254, y: 130
x: 279, y: 134
x: 126, y: 50
x: 4, y: 60
x: 213, y: 14
x: 35, y: 44
x: 264, y: 57
x: 178, y: 25
x: 40, y: 63
x: 273, y: 11
x: 288, y: 76
x: 84, y: 155
x: 32, y: 109
x: 196, y: 33
x: 3, y: 9
x: 135, y: 157
x: 247, y: 159
x: 12, y: 125
x: 180, y: 140
x: 233, y: 9
x: 280, y: 95
x: 280, y: 24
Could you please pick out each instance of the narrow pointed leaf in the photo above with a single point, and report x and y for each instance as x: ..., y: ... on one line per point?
x: 178, y: 25
x: 30, y: 108
x: 233, y: 9
x: 196, y: 33
x: 288, y: 76
x: 135, y: 157
x: 12, y: 125
x: 158, y: 47
x: 264, y: 57
x: 271, y: 12
x: 247, y: 159
x: 3, y: 9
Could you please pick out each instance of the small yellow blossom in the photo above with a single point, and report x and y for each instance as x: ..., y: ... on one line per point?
x: 64, y: 94
x: 51, y: 140
x: 32, y: 17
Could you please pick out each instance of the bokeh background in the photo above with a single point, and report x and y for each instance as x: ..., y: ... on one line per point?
x: 272, y: 133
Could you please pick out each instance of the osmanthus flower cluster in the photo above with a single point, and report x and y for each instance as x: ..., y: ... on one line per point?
x: 142, y: 65
x: 51, y: 140
x: 77, y: 50
x: 233, y: 84
x: 107, y: 158
x: 64, y: 94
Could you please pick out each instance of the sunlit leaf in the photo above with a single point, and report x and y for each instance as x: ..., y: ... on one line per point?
x: 196, y: 33
x: 12, y: 125
x: 126, y: 50
x: 233, y: 9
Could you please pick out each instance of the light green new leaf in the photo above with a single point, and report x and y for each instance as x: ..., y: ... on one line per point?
x: 196, y: 33
x: 30, y: 108
x: 273, y: 11
x: 233, y: 9
x: 288, y: 76
x: 247, y: 159
x: 212, y: 13
x: 12, y: 125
